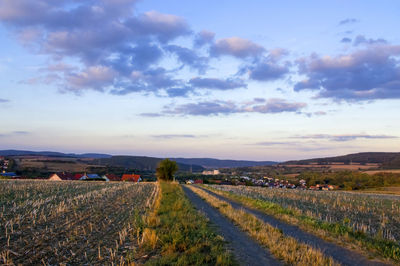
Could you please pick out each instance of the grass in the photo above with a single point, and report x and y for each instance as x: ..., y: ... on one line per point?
x: 283, y: 247
x: 337, y: 232
x: 176, y: 234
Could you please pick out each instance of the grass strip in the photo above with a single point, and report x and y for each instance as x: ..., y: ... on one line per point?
x: 337, y: 232
x: 176, y: 234
x: 282, y: 247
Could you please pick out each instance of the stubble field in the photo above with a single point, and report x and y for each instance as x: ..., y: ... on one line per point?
x: 46, y: 222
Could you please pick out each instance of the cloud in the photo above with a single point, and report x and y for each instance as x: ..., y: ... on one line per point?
x: 273, y: 143
x: 15, y: 133
x: 237, y: 47
x: 342, y: 138
x: 174, y: 136
x: 360, y: 39
x: 164, y: 27
x: 107, y: 39
x: 189, y: 57
x: 267, y: 71
x: 217, y: 84
x: 152, y: 80
x: 267, y: 68
x: 151, y: 115
x: 348, y: 21
x: 3, y: 100
x: 367, y: 74
x: 204, y: 37
x: 95, y: 77
x: 346, y: 40
x: 271, y: 106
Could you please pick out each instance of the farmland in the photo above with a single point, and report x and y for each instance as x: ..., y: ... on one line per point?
x: 371, y: 221
x: 71, y: 222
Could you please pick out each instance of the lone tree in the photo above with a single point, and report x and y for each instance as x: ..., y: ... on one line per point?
x: 166, y: 169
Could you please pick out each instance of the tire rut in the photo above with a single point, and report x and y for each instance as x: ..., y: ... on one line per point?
x: 338, y: 253
x: 245, y: 249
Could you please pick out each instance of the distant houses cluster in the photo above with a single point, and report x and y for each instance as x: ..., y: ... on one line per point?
x: 94, y: 177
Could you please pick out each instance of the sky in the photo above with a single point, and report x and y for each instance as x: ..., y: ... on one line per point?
x: 256, y: 80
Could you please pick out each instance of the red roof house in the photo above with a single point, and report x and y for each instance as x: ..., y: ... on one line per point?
x: 62, y: 176
x: 112, y: 177
x: 131, y: 178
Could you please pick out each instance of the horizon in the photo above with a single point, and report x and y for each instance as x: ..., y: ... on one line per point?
x: 180, y: 157
x: 290, y: 81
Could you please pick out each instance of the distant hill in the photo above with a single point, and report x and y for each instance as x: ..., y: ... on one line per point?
x: 142, y: 163
x: 52, y: 154
x: 216, y: 163
x: 387, y: 159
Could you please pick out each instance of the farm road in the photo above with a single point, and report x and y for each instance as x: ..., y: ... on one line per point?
x: 246, y: 250
x: 338, y: 253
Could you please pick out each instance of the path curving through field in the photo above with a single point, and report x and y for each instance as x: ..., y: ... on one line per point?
x: 340, y: 254
x: 245, y: 250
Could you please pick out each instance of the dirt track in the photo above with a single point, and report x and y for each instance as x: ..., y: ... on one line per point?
x: 245, y: 250
x: 338, y: 253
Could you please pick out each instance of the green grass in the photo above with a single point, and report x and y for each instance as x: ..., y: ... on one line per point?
x: 183, y: 234
x: 383, y: 247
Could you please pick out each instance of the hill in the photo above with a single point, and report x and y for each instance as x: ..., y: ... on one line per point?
x: 385, y: 159
x: 142, y: 163
x: 52, y: 154
x: 216, y: 163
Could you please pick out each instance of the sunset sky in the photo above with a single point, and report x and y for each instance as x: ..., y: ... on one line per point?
x: 259, y: 80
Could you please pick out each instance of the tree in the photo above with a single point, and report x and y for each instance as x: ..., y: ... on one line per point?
x: 166, y: 169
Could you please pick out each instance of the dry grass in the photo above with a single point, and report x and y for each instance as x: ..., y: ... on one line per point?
x: 283, y: 247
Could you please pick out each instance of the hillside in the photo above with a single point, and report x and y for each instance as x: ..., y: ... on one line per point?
x: 52, y: 154
x: 141, y: 163
x: 216, y: 163
x: 386, y: 159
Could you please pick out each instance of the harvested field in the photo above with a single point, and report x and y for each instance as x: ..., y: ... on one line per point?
x: 377, y: 215
x: 70, y: 222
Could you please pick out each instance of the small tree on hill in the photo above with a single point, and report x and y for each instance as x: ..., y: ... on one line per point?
x: 166, y: 170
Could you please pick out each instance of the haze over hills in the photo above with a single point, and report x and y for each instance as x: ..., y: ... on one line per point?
x: 143, y: 162
x: 216, y: 163
x: 387, y: 159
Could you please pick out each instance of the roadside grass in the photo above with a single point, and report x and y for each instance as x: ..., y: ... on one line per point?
x: 176, y: 234
x: 339, y: 233
x: 282, y: 247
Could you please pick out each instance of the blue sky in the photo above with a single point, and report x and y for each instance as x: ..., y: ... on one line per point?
x: 225, y: 79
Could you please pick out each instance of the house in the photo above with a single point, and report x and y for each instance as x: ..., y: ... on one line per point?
x: 112, y: 177
x: 198, y: 181
x: 211, y: 172
x: 61, y: 177
x: 131, y: 178
x: 93, y: 177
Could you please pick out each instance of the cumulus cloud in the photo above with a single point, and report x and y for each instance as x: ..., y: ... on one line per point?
x: 204, y: 37
x: 237, y: 47
x: 210, y: 108
x: 341, y: 138
x: 367, y: 74
x: 218, y: 84
x: 268, y: 68
x: 107, y: 38
x: 95, y: 77
x: 189, y: 57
